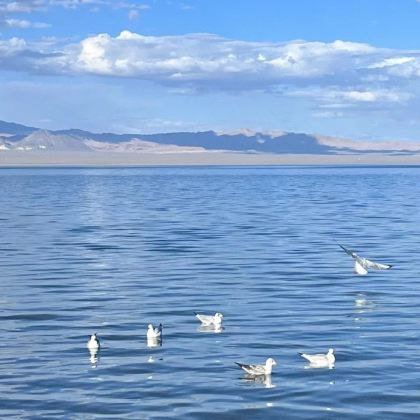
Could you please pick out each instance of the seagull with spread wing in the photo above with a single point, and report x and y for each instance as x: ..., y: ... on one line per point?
x: 361, y: 264
x: 210, y: 320
x: 154, y: 332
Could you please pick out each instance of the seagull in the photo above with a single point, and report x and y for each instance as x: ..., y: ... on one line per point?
x: 320, y: 360
x: 154, y: 332
x: 93, y: 344
x: 259, y: 369
x: 208, y: 320
x: 361, y: 264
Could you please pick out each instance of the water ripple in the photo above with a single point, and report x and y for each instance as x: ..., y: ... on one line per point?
x: 111, y: 250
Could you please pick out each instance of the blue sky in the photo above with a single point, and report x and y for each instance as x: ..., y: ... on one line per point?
x: 346, y: 68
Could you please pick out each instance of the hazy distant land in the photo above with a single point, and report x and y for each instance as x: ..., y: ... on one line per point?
x: 199, y: 158
x: 30, y: 146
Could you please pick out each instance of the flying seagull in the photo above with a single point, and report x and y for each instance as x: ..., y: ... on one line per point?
x: 154, y: 332
x: 259, y: 369
x: 320, y: 360
x: 361, y: 265
x: 213, y: 320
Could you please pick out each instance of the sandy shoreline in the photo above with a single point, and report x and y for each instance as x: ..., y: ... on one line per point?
x: 12, y: 159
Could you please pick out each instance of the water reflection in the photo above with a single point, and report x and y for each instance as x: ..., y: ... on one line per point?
x: 94, y: 357
x: 260, y: 380
x: 362, y: 302
x: 153, y: 342
x: 320, y: 365
x: 216, y: 329
x: 362, y: 305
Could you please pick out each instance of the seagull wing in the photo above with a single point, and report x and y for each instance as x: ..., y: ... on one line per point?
x: 158, y: 332
x: 315, y: 358
x: 205, y: 319
x: 308, y: 357
x: 374, y: 265
x: 252, y: 369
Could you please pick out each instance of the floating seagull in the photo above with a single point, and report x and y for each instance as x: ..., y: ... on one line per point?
x: 259, y: 369
x: 153, y: 342
x: 208, y: 320
x: 361, y: 264
x: 320, y: 360
x: 93, y: 344
x: 154, y: 332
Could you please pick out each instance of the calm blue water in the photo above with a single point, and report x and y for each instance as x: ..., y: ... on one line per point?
x: 110, y: 250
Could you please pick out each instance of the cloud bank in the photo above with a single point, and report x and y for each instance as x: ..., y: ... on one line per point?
x: 337, y: 73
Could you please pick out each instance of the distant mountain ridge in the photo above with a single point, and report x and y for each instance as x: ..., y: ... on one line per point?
x: 22, y: 138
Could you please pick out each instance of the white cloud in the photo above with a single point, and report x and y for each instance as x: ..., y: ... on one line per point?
x: 130, y: 5
x: 133, y: 14
x: 328, y: 114
x: 335, y: 97
x: 400, y: 66
x: 11, y: 46
x: 393, y: 61
x: 24, y: 24
x: 374, y: 96
x: 73, y: 4
x: 195, y: 57
x: 335, y: 75
x: 22, y: 6
x: 29, y: 6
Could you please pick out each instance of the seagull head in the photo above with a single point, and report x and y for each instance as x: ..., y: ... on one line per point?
x: 93, y: 336
x: 270, y: 362
x: 150, y: 327
x: 330, y: 351
x: 218, y: 315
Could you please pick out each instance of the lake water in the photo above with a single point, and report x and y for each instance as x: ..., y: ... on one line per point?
x: 109, y: 250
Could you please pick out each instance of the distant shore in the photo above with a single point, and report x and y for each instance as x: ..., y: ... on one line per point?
x: 42, y: 158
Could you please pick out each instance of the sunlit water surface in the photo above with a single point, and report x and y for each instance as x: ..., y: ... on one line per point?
x: 111, y: 250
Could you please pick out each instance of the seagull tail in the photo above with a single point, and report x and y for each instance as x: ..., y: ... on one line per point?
x: 239, y: 364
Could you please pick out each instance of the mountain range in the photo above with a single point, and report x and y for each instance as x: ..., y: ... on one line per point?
x: 17, y: 137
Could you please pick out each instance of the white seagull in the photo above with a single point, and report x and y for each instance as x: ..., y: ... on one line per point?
x: 259, y: 369
x: 93, y: 344
x: 154, y: 332
x: 361, y: 265
x: 210, y: 320
x: 320, y: 360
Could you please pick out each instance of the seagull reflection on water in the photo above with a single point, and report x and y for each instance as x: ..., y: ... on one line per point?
x: 362, y: 302
x: 94, y: 357
x: 216, y: 329
x: 324, y: 365
x: 153, y: 342
x: 362, y: 306
x: 260, y: 380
